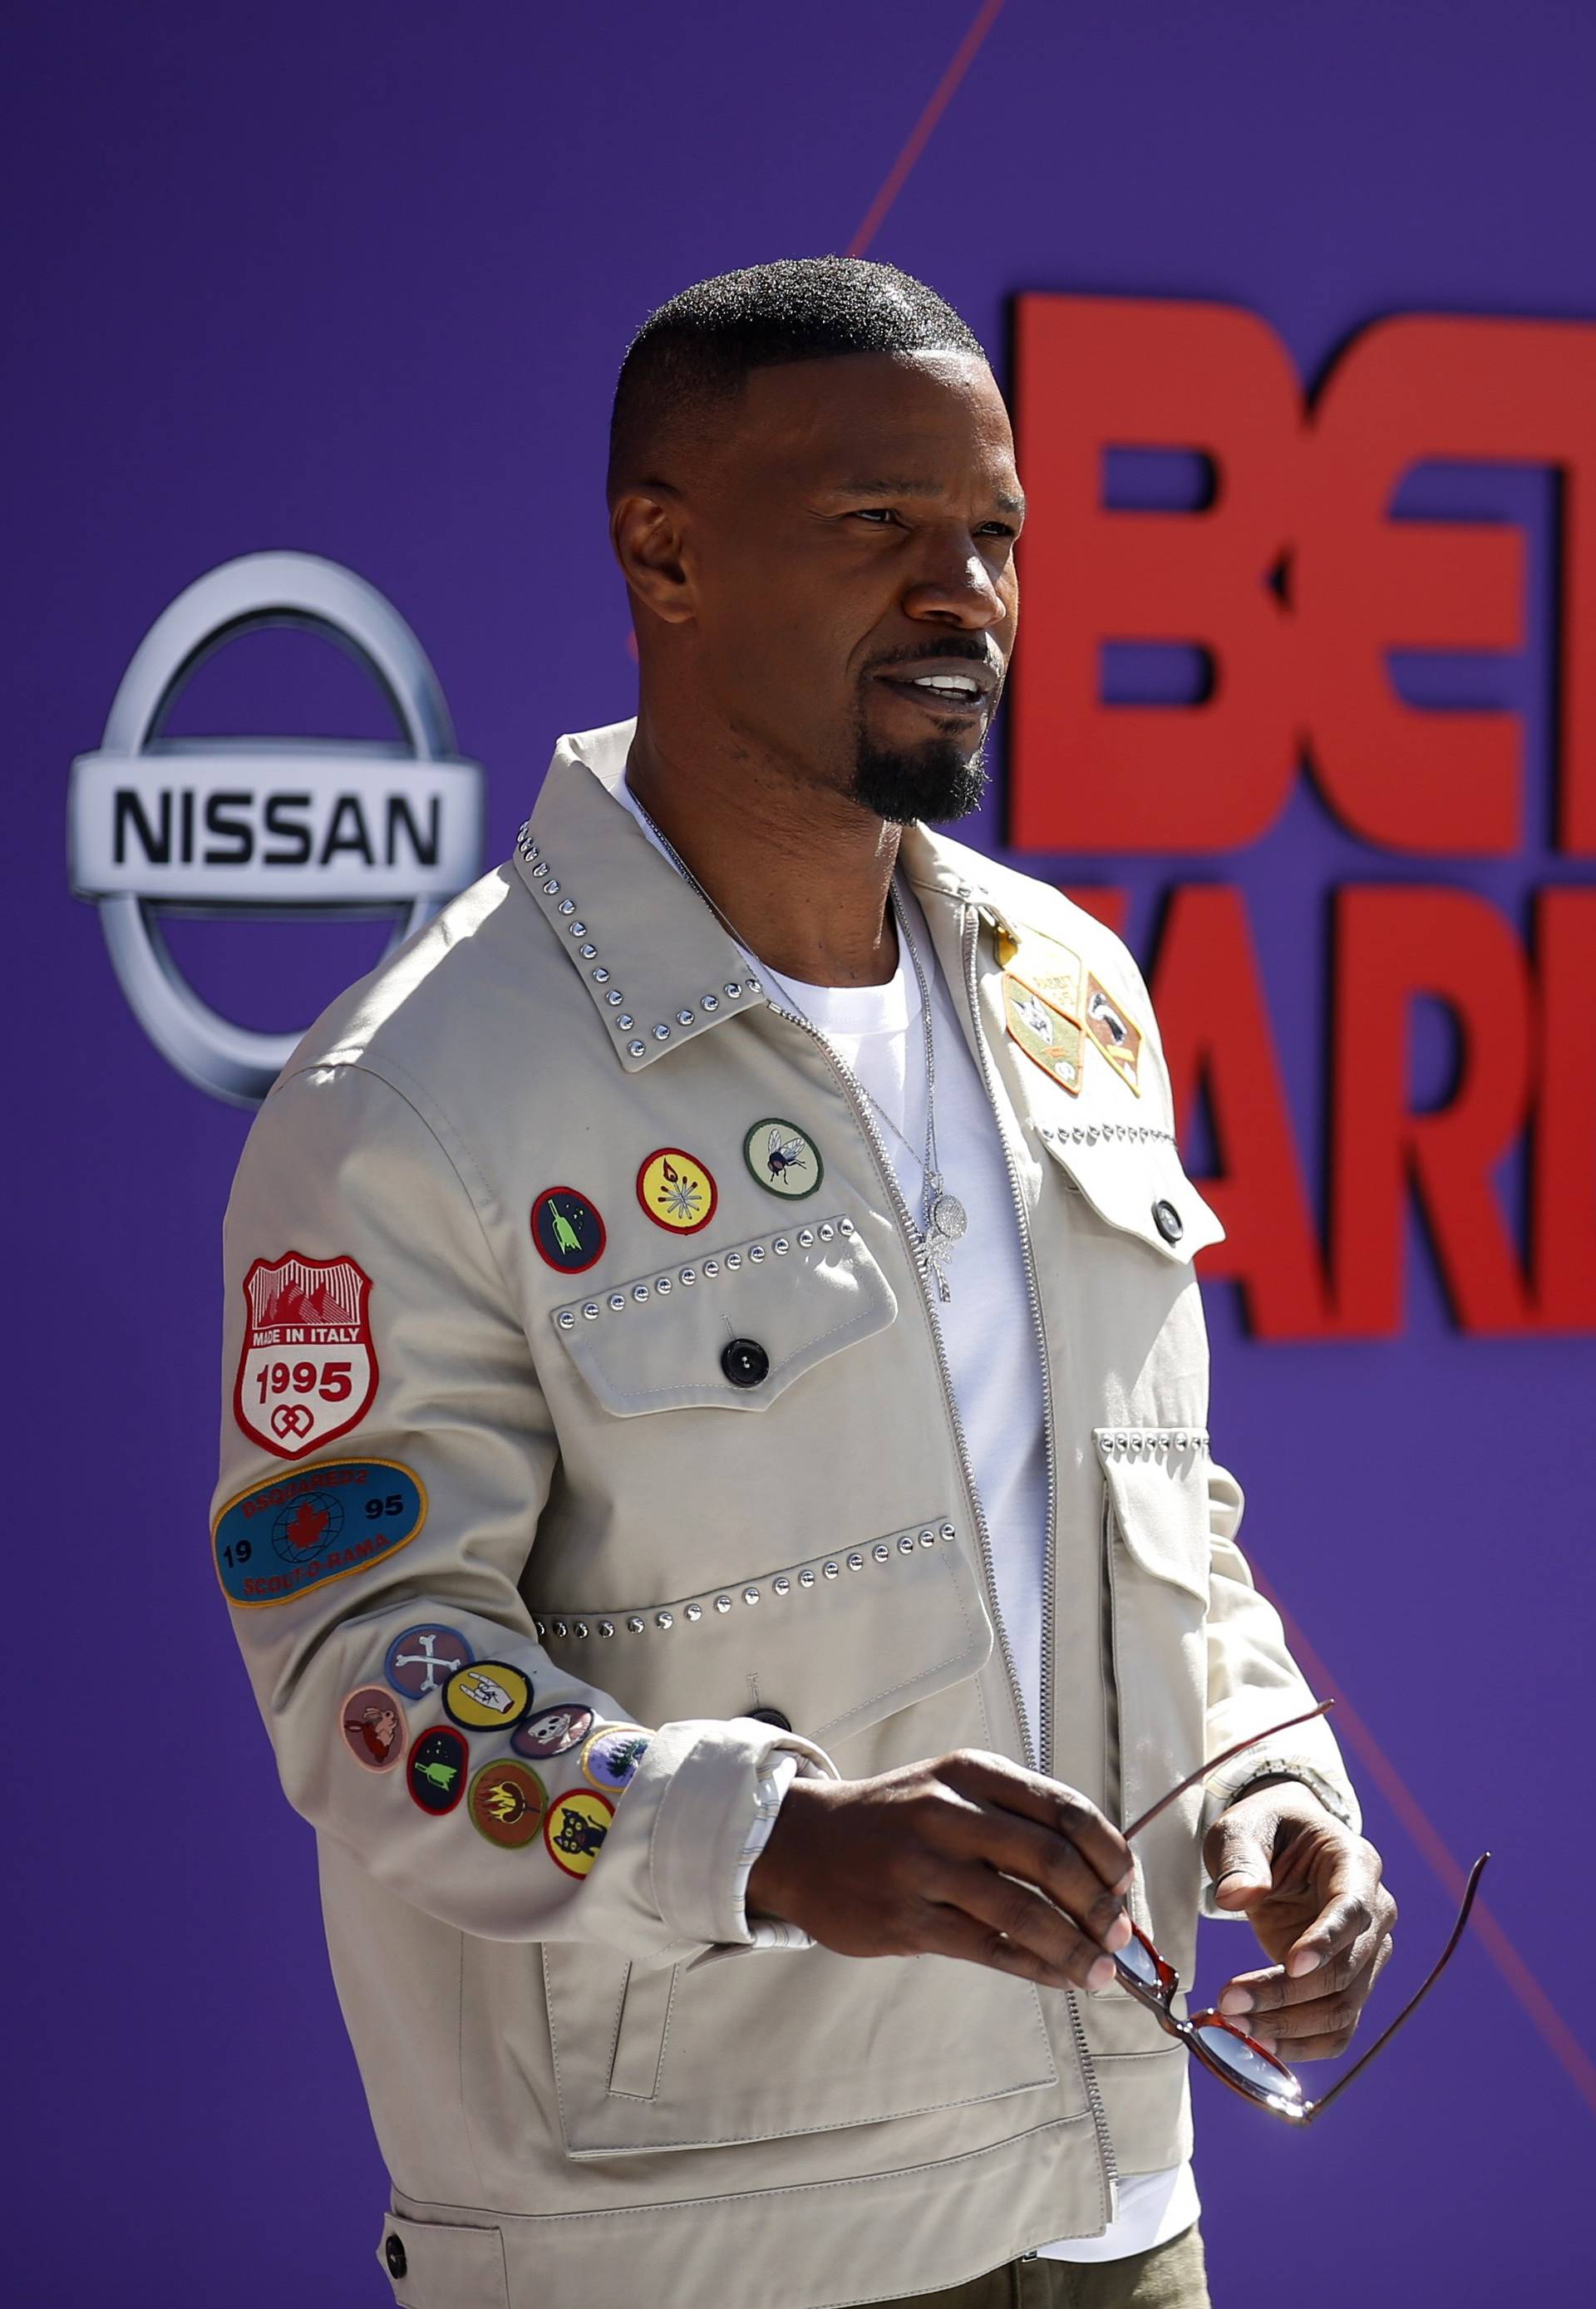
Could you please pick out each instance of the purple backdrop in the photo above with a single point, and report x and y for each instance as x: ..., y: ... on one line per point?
x: 356, y: 280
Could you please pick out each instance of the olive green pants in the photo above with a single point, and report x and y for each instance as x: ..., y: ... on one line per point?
x: 1172, y: 2276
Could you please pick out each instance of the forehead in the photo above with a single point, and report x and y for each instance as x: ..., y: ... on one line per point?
x: 913, y: 417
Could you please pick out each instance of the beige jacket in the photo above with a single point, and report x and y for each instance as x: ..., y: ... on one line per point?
x: 450, y: 1437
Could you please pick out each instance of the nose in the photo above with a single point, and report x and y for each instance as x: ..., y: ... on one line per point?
x: 955, y: 586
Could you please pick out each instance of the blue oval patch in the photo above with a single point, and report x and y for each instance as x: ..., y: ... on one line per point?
x: 281, y: 1538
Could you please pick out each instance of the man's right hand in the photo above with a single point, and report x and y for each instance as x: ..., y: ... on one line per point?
x: 970, y: 1856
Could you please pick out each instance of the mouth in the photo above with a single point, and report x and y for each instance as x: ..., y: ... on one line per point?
x: 947, y: 689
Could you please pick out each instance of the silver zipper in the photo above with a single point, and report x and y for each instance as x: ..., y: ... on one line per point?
x: 969, y: 935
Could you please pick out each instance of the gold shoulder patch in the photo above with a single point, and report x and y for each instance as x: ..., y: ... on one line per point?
x: 1043, y: 1032
x: 1114, y: 1031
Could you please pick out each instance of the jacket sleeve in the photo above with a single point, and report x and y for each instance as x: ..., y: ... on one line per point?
x: 386, y: 1453
x: 1252, y: 1680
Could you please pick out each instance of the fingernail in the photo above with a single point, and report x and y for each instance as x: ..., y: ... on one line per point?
x: 1237, y: 2000
x: 1118, y: 1934
x: 1302, y: 1961
x: 1124, y: 1885
x: 1102, y: 1975
x: 1267, y: 2042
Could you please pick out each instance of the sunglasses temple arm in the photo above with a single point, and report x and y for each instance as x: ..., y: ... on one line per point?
x: 1224, y: 1756
x: 1415, y: 2001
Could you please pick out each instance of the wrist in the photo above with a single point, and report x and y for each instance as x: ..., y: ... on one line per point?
x: 772, y: 1880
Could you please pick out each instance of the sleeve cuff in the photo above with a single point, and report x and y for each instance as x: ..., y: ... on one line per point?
x: 700, y: 1855
x: 775, y: 1781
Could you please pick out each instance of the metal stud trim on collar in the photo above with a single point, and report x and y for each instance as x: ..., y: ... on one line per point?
x: 799, y: 1580
x: 546, y: 886
x: 1148, y: 1442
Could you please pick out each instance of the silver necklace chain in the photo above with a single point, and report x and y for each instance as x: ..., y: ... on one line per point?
x: 943, y: 1220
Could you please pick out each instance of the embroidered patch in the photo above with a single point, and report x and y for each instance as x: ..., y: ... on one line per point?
x: 567, y: 1230
x: 435, y: 1770
x: 613, y: 1755
x: 1043, y: 1032
x: 1049, y: 968
x: 419, y: 1661
x: 281, y: 1538
x: 784, y: 1159
x: 507, y: 1804
x: 551, y: 1732
x: 308, y: 1369
x: 676, y: 1190
x: 374, y: 1728
x: 492, y: 1694
x: 1114, y: 1032
x: 575, y: 1827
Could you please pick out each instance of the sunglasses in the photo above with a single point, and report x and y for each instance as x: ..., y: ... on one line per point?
x: 1221, y: 2045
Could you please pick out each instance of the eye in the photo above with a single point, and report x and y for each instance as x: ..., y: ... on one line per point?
x: 998, y: 528
x: 880, y: 514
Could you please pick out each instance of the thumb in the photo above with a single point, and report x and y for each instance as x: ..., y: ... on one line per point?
x: 1238, y: 1861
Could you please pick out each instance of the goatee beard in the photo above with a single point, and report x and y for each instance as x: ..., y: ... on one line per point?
x: 937, y: 782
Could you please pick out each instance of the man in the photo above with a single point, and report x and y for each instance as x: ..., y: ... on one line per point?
x: 754, y: 1421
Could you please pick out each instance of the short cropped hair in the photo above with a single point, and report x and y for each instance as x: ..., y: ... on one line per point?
x: 690, y: 357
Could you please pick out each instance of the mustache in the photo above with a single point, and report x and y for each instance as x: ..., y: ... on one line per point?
x: 951, y: 645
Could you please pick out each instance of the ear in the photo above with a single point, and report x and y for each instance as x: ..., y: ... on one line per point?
x: 648, y: 531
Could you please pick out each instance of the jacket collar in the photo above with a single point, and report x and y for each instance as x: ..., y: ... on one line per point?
x: 658, y: 965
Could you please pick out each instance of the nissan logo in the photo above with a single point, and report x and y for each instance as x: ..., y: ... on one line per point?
x: 265, y: 827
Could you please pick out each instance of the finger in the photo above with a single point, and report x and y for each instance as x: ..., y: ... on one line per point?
x: 1012, y: 1912
x: 1272, y: 1986
x: 1323, y: 2026
x: 993, y: 1780
x: 1018, y: 1848
x: 1239, y: 1860
x: 949, y: 1932
x: 1352, y: 1907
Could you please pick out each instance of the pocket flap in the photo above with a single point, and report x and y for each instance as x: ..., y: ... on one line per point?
x: 835, y: 1644
x: 657, y: 1343
x: 444, y: 2264
x: 1158, y: 1487
x: 1132, y: 1176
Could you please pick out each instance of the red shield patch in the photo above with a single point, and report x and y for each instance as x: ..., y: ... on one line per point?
x: 307, y: 1371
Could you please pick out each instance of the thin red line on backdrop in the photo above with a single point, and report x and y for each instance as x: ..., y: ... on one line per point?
x: 964, y: 55
x: 1542, y: 2014
x: 1531, y: 1998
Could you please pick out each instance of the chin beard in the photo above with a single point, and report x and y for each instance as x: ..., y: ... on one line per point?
x: 938, y: 782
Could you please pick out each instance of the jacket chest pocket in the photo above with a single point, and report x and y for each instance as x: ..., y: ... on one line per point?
x: 733, y: 1330
x: 1131, y: 1175
x: 831, y: 1645
x: 1155, y: 1545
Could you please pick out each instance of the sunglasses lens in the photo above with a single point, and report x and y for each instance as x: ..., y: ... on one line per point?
x: 1248, y: 2064
x: 1137, y: 1961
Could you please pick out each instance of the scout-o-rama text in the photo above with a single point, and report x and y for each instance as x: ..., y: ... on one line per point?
x: 717, y: 1499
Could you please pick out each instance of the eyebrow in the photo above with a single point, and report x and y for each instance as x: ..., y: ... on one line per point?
x: 905, y: 488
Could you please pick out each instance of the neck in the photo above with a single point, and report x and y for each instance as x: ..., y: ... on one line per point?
x: 802, y: 877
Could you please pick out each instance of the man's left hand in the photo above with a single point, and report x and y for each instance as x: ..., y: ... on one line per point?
x: 1312, y: 1893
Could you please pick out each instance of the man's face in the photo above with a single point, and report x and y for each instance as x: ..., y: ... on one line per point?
x: 850, y: 537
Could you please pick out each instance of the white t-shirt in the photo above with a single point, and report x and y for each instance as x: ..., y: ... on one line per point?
x: 990, y: 1339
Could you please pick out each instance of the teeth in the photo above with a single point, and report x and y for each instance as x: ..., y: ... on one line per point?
x: 947, y: 681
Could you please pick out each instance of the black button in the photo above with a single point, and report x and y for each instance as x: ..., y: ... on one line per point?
x: 771, y: 1715
x: 745, y: 1363
x: 393, y: 2252
x: 1168, y: 1222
